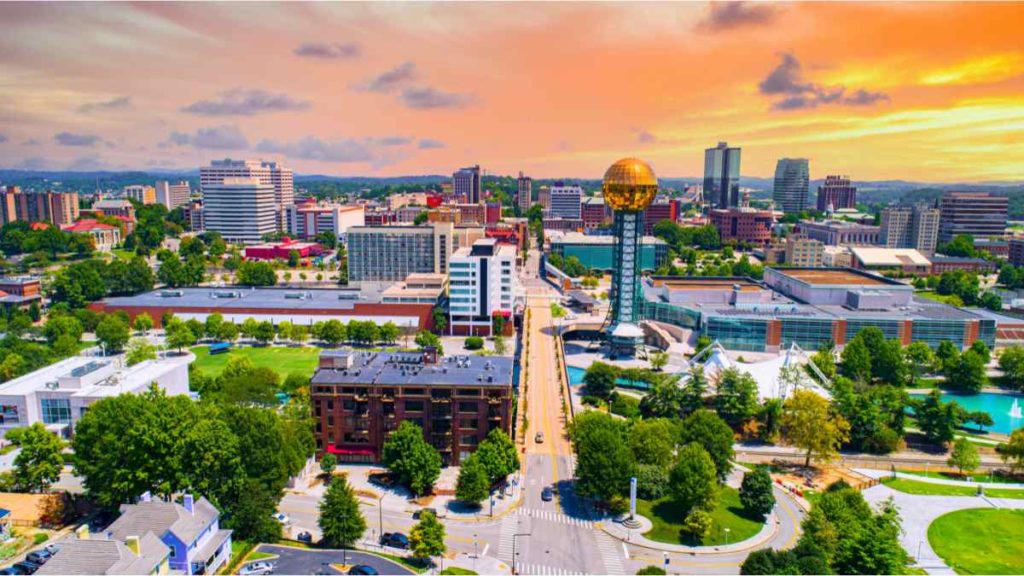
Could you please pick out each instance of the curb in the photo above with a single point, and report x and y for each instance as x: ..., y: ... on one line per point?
x: 766, y: 533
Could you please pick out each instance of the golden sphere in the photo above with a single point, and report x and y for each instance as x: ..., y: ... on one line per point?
x: 630, y: 185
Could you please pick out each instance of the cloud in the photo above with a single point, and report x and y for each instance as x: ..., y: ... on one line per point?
x: 426, y: 98
x: 3, y: 138
x: 71, y: 139
x: 390, y: 80
x: 312, y: 148
x: 87, y: 163
x: 215, y: 138
x: 731, y: 15
x: 328, y: 51
x: 430, y: 144
x: 33, y: 163
x: 646, y: 137
x: 31, y: 142
x: 243, y: 102
x: 119, y: 103
x: 786, y: 80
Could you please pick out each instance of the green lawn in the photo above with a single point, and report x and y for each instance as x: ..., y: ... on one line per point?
x: 930, y: 489
x: 980, y: 541
x: 285, y: 360
x: 668, y: 519
x: 456, y: 570
x: 978, y: 477
x: 950, y: 299
x: 123, y: 254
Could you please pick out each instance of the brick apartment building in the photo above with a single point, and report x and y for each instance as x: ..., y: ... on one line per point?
x: 360, y: 397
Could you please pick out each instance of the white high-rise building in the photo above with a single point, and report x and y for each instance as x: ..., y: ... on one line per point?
x: 140, y: 193
x: 565, y: 201
x: 173, y: 195
x: 481, y: 285
x: 272, y: 173
x: 241, y: 209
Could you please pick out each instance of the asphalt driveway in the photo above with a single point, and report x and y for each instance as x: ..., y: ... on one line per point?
x: 302, y: 561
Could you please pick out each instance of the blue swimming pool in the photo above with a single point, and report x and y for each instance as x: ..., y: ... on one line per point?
x: 998, y: 405
x: 576, y: 379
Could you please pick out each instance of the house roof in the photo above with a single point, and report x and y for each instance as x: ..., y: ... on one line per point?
x: 89, y: 556
x: 161, y: 517
x: 86, y: 225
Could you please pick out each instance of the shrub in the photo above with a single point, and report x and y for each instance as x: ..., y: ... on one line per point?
x: 474, y: 343
x: 625, y: 406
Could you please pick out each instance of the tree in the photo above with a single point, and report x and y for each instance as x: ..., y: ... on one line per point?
x: 65, y: 329
x: 938, y: 420
x: 697, y: 525
x: 294, y: 258
x: 328, y: 463
x: 964, y: 456
x: 825, y: 361
x: 213, y: 325
x: 756, y: 492
x: 809, y: 424
x: 113, y: 333
x: 264, y: 332
x: 498, y: 455
x: 227, y: 332
x: 139, y: 349
x: 736, y: 399
x: 653, y: 441
x: 981, y: 349
x: 389, y: 332
x: 888, y: 364
x: 693, y: 482
x: 969, y: 372
x: 249, y: 327
x: 426, y: 538
x: 473, y: 485
x: 341, y: 521
x: 599, y: 379
x: 473, y: 343
x: 333, y: 332
x: 414, y: 462
x: 770, y: 420
x: 178, y: 335
x: 1012, y: 451
x: 426, y: 339
x: 1011, y: 362
x: 256, y: 274
x: 705, y: 428
x: 143, y: 323
x: 440, y: 318
x: 919, y: 358
x: 856, y: 361
x: 659, y: 360
x: 251, y: 512
x: 299, y: 333
x: 946, y: 356
x: 691, y: 397
x: 39, y: 463
x: 651, y: 570
x: 663, y: 398
x: 604, y: 462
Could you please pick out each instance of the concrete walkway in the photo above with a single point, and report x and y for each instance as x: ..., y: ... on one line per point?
x: 881, y: 474
x: 918, y: 512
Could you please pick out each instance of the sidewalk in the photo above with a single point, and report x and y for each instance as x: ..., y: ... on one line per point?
x: 880, y: 474
x: 615, y: 529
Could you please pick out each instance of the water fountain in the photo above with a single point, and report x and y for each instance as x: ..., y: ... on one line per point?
x: 1015, y: 411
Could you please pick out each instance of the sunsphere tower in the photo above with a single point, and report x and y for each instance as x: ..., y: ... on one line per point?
x: 629, y: 187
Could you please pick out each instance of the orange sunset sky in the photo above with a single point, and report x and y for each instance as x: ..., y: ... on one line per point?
x: 918, y: 91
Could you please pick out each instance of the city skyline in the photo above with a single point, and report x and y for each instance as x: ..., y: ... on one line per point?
x: 389, y: 89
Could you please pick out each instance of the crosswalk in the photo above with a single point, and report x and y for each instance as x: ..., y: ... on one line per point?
x: 505, y: 538
x: 552, y: 516
x: 611, y: 553
x: 540, y: 570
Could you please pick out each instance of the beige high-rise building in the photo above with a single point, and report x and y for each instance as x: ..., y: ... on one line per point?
x: 914, y: 226
x: 804, y: 252
x: 270, y: 173
x: 140, y: 193
x: 524, y: 193
x: 173, y: 195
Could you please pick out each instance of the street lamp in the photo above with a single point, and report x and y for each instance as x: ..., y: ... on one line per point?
x: 727, y: 536
x: 475, y: 555
x: 380, y: 515
x: 514, y: 536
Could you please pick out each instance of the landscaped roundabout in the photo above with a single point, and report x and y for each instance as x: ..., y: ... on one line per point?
x: 980, y: 540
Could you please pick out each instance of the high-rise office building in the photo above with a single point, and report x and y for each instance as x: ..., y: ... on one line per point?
x: 804, y: 252
x: 565, y: 201
x: 57, y: 208
x: 466, y: 183
x: 837, y: 193
x: 914, y: 226
x: 791, y: 179
x: 173, y: 195
x: 524, y: 193
x: 241, y: 209
x: 481, y: 285
x: 979, y: 214
x: 722, y: 176
x: 140, y: 193
x: 274, y: 174
x: 390, y: 253
x: 743, y: 225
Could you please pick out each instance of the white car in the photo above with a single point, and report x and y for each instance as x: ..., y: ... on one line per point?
x: 281, y: 517
x: 256, y: 568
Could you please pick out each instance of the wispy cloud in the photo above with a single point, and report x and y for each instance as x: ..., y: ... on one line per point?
x: 786, y: 80
x: 119, y: 103
x: 72, y: 139
x: 374, y: 151
x: 214, y: 138
x: 390, y: 80
x: 328, y: 51
x: 645, y: 137
x: 3, y: 138
x: 427, y: 98
x: 88, y: 164
x: 430, y: 144
x: 243, y: 102
x: 729, y: 15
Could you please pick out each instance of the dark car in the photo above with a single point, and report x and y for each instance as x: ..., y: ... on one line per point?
x: 416, y: 515
x: 547, y: 494
x: 41, y: 556
x: 363, y: 569
x: 26, y: 567
x: 395, y: 540
x: 305, y: 537
x: 9, y: 571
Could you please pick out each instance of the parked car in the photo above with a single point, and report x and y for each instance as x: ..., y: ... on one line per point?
x: 363, y: 570
x: 281, y: 517
x: 305, y: 537
x: 547, y: 494
x: 256, y: 568
x: 40, y: 556
x: 539, y: 438
x: 9, y: 571
x: 26, y: 567
x: 416, y: 515
x: 51, y: 548
x: 395, y: 540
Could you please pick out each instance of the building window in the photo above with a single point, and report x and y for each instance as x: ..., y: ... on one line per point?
x: 56, y: 410
x: 468, y: 407
x: 414, y: 406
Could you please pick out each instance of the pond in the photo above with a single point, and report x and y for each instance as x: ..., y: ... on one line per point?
x: 998, y: 405
x: 576, y: 379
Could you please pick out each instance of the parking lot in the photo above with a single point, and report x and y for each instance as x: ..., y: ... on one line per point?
x: 303, y: 561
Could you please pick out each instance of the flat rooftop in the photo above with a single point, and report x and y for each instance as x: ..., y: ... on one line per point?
x: 233, y: 297
x: 409, y: 369
x: 705, y: 283
x: 91, y: 376
x: 832, y: 277
x: 580, y: 238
